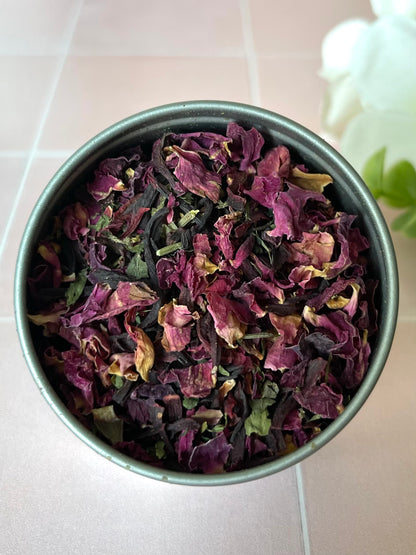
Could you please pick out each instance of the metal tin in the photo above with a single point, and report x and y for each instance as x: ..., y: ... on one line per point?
x: 348, y: 193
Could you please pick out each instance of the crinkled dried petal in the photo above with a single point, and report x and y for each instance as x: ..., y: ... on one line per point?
x: 310, y: 181
x: 144, y: 356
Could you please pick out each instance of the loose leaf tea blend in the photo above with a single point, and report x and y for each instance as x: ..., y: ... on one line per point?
x: 204, y: 307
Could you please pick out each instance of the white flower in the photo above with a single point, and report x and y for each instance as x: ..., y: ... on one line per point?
x: 371, y: 72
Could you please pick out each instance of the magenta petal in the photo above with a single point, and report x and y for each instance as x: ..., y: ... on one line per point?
x: 275, y: 163
x: 210, y: 457
x: 320, y: 399
x: 194, y: 177
x: 246, y: 145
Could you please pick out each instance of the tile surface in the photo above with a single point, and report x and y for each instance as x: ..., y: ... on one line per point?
x: 95, y: 92
x: 360, y: 488
x: 283, y: 29
x: 91, y: 505
x: 29, y: 28
x: 140, y: 28
x: 69, y: 69
x: 291, y: 87
x: 23, y: 98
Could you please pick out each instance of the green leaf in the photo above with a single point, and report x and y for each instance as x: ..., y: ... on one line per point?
x: 108, y: 423
x: 160, y: 449
x: 223, y: 371
x: 399, y: 185
x: 103, y: 222
x: 406, y: 223
x: 373, y: 172
x: 270, y: 390
x: 258, y: 423
x: 190, y: 402
x: 76, y: 288
x: 117, y: 381
x: 137, y: 268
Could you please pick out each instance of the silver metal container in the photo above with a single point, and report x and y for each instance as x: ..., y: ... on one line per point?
x: 348, y: 193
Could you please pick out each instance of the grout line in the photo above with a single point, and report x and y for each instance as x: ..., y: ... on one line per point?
x: 253, y: 74
x: 49, y: 99
x: 302, y: 510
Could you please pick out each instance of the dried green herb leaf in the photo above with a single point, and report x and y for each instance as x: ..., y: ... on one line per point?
x: 190, y: 402
x: 108, y: 423
x: 160, y: 449
x: 117, y: 381
x: 223, y: 371
x: 76, y: 288
x: 137, y: 268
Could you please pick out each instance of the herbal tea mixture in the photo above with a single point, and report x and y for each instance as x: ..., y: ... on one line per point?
x: 204, y: 307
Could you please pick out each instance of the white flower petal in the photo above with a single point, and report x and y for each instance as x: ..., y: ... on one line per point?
x: 383, y: 65
x: 337, y: 47
x: 340, y: 104
x: 371, y: 131
x: 398, y: 7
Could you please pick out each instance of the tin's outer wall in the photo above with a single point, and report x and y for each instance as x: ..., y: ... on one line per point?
x: 348, y: 193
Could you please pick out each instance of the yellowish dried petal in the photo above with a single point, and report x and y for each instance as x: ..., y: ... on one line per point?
x: 310, y: 181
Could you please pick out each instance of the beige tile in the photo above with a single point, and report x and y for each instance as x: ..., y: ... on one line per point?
x: 24, y: 89
x: 48, y: 474
x: 11, y: 171
x: 40, y: 173
x: 405, y: 249
x: 292, y: 88
x: 360, y: 488
x: 95, y: 92
x: 142, y: 28
x: 282, y: 28
x: 38, y: 28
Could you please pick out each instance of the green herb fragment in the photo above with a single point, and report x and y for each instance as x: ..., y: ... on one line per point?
x: 259, y: 422
x: 261, y: 335
x: 133, y: 243
x: 103, y: 222
x: 187, y: 218
x: 264, y: 246
x: 76, y: 288
x: 223, y: 371
x: 373, y: 172
x: 137, y: 268
x: 160, y: 449
x: 218, y: 428
x: 159, y: 206
x: 190, y: 402
x: 108, y: 423
x: 168, y: 249
x: 204, y: 426
x: 117, y: 381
